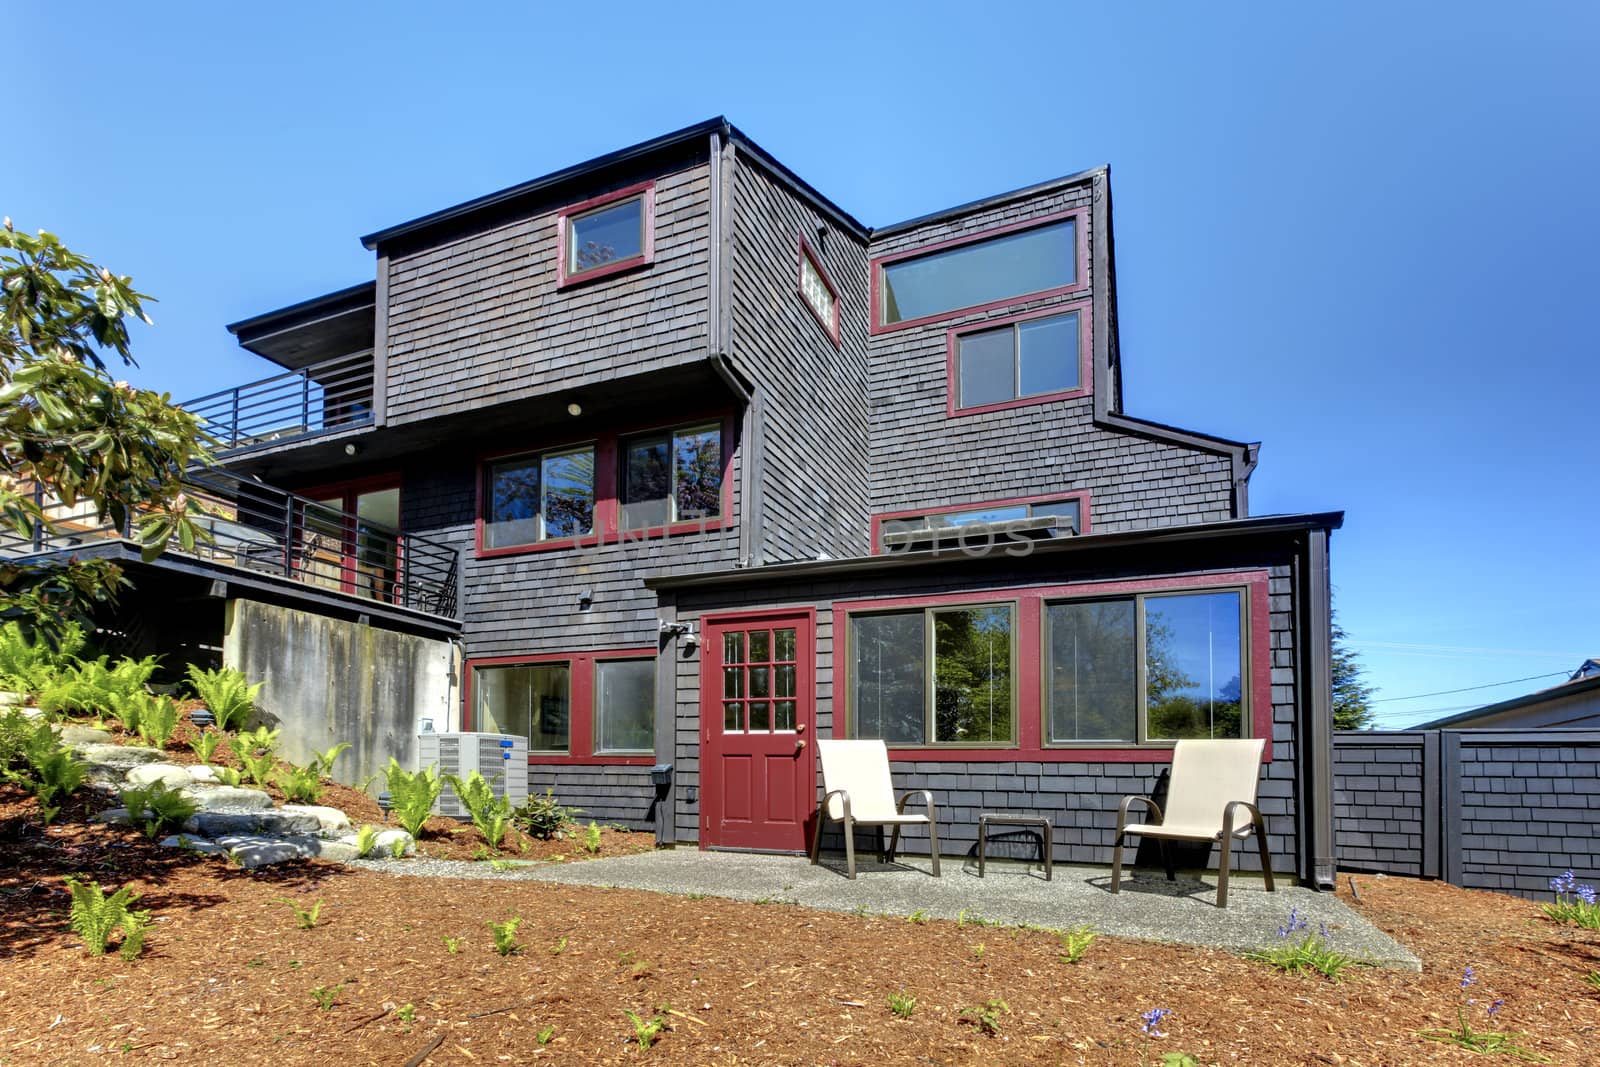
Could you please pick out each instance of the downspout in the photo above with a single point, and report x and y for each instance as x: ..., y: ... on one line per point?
x: 719, y: 329
x: 1315, y: 654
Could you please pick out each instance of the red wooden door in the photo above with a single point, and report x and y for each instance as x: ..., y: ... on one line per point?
x: 758, y: 777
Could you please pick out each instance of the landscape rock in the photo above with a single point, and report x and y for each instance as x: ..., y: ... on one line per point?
x: 124, y: 756
x: 193, y: 844
x: 264, y: 822
x: 254, y: 850
x: 227, y: 798
x: 113, y: 817
x: 202, y: 772
x: 329, y: 820
x: 77, y: 736
x: 168, y: 774
x: 385, y: 842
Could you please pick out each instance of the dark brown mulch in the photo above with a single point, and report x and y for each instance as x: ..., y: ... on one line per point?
x: 228, y: 977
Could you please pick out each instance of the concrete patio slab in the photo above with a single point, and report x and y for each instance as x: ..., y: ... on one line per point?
x: 1149, y: 907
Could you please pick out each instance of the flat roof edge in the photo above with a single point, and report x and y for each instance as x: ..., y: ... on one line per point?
x: 1037, y: 189
x: 351, y: 295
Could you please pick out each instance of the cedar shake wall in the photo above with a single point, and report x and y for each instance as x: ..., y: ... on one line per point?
x: 476, y: 319
x: 924, y: 458
x: 814, y: 493
x: 1079, y: 797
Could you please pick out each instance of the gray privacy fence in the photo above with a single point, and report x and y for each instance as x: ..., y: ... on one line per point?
x: 1485, y: 809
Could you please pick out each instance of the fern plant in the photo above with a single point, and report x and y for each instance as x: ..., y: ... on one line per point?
x: 134, y: 925
x: 127, y: 708
x: 260, y: 739
x: 305, y: 917
x: 56, y: 776
x: 227, y: 693
x: 323, y: 761
x: 645, y: 1031
x: 205, y: 745
x: 366, y: 839
x: 505, y: 935
x: 94, y: 915
x: 490, y: 814
x: 31, y: 756
x: 157, y: 808
x: 300, y: 785
x: 591, y: 839
x: 27, y: 664
x: 412, y: 794
x: 158, y: 720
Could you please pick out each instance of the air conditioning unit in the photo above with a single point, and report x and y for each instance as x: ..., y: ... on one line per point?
x: 500, y: 758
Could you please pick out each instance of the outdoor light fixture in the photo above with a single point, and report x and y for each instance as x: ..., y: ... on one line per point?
x: 574, y: 408
x: 684, y: 630
x: 202, y: 717
x: 585, y: 598
x: 351, y: 449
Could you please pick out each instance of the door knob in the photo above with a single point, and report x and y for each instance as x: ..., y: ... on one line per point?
x: 799, y: 744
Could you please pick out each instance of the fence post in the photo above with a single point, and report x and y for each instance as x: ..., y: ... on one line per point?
x: 1432, y: 797
x: 305, y: 401
x: 233, y: 442
x: 1450, y: 806
x: 288, y: 536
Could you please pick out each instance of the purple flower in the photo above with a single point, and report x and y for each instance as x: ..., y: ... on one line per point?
x: 1152, y: 1021
x: 1586, y: 894
x: 1494, y: 1009
x: 1296, y: 923
x: 1468, y: 976
x: 1322, y: 931
x: 1563, y: 883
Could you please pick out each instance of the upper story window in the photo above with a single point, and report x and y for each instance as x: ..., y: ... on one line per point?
x: 540, y: 497
x: 819, y: 294
x: 672, y: 476
x: 1049, y: 518
x: 978, y: 272
x: 607, y: 234
x: 1026, y: 359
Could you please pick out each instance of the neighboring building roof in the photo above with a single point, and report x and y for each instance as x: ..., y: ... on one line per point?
x: 810, y: 569
x: 1586, y: 680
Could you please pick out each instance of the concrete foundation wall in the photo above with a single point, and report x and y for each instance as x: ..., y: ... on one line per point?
x: 329, y: 681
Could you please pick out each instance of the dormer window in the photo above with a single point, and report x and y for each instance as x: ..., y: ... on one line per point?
x: 819, y: 294
x: 607, y: 234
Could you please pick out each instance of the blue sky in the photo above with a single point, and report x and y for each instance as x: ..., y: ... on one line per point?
x: 1361, y: 234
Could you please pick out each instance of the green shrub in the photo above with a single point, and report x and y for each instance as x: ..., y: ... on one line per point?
x: 28, y: 664
x: 31, y: 756
x: 490, y: 814
x: 56, y: 776
x: 1075, y: 942
x: 902, y: 1004
x: 543, y: 818
x: 158, y: 720
x: 157, y: 808
x: 227, y: 693
x: 412, y: 794
x: 94, y: 915
x: 127, y: 709
x: 591, y: 839
x: 300, y: 785
x: 260, y: 739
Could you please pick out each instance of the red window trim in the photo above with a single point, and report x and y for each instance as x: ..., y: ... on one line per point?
x: 807, y: 252
x: 1030, y: 746
x: 1080, y: 495
x: 581, y: 702
x: 953, y: 336
x: 1080, y: 234
x: 608, y: 491
x: 646, y: 192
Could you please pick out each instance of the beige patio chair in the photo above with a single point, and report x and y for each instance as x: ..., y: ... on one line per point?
x: 1210, y: 781
x: 858, y: 792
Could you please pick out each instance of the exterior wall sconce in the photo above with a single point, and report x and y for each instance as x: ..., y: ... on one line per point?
x: 351, y: 449
x: 573, y: 407
x: 585, y: 599
x: 684, y: 630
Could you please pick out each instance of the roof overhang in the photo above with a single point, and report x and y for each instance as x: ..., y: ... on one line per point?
x: 313, y: 330
x: 1563, y: 691
x: 1266, y: 525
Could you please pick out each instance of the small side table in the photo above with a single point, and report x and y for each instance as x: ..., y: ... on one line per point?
x: 988, y: 818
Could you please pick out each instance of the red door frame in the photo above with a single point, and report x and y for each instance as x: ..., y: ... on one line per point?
x: 347, y: 492
x: 771, y: 745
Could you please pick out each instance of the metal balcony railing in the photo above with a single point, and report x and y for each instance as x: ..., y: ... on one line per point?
x: 256, y: 527
x: 335, y: 394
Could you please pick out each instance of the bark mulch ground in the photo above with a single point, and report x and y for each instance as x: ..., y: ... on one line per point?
x: 228, y: 977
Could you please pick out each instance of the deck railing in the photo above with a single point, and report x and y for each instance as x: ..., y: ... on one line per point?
x: 260, y: 528
x: 335, y: 394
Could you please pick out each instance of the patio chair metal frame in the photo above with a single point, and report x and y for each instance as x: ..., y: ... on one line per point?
x: 1225, y: 835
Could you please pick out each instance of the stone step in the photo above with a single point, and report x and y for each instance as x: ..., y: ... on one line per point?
x: 267, y: 821
x: 329, y: 820
x: 227, y: 798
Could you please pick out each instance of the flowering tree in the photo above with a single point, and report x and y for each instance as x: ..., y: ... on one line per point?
x: 74, y: 439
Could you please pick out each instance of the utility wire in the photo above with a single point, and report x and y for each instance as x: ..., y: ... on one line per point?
x: 1471, y: 688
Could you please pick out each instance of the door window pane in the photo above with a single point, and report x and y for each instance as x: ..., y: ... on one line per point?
x: 783, y: 680
x: 760, y: 681
x: 783, y: 715
x: 783, y: 650
x: 760, y: 715
x: 733, y: 647
x: 530, y: 700
x: 1093, y: 671
x: 979, y: 273
x: 625, y: 703
x: 888, y: 677
x: 972, y: 675
x: 1194, y: 666
x: 760, y: 646
x: 732, y: 717
x: 611, y: 234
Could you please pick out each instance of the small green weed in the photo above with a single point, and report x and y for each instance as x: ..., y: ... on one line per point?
x: 986, y: 1016
x: 965, y: 918
x: 205, y: 745
x: 397, y: 848
x: 902, y: 1004
x: 544, y: 1036
x: 327, y: 996
x: 1075, y: 942
x: 977, y: 951
x: 918, y: 918
x: 406, y: 1013
x: 452, y: 944
x: 505, y: 935
x: 305, y: 917
x: 559, y: 947
x: 1593, y: 978
x: 646, y: 1031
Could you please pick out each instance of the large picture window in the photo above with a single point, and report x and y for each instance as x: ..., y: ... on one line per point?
x: 1187, y: 647
x: 541, y: 497
x: 937, y: 676
x: 982, y: 272
x: 673, y: 476
x: 1028, y: 358
x: 533, y: 700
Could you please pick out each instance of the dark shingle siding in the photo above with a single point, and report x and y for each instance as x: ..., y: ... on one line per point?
x: 815, y: 474
x: 477, y: 319
x: 922, y: 457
